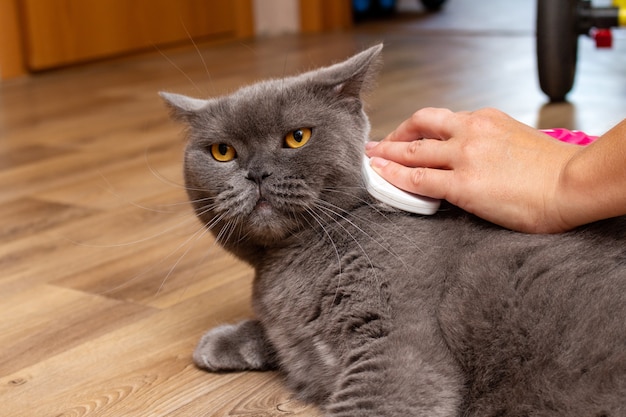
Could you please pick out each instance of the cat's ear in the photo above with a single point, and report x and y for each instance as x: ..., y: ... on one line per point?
x: 182, y: 107
x: 354, y: 75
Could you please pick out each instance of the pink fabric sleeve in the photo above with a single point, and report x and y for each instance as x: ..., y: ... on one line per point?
x: 570, y: 136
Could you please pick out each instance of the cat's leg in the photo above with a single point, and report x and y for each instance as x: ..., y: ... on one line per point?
x: 410, y: 373
x: 237, y: 347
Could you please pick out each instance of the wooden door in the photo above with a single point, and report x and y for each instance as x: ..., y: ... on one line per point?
x: 61, y: 32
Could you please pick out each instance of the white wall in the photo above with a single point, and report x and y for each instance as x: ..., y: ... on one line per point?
x: 275, y: 17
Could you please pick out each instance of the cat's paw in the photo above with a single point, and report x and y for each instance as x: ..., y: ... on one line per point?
x: 237, y: 347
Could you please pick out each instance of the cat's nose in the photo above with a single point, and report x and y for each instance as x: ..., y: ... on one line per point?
x: 257, y: 175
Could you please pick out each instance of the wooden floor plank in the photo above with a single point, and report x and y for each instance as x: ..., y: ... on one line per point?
x: 53, y: 320
x: 27, y: 217
x: 146, y: 360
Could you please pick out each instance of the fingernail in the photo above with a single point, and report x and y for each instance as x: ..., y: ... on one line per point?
x: 370, y: 145
x: 377, y: 162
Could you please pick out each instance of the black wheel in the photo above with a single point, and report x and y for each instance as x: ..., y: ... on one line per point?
x: 432, y: 5
x: 557, y: 45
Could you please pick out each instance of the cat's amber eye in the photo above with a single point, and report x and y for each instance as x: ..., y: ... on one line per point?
x: 298, y: 138
x: 223, y: 152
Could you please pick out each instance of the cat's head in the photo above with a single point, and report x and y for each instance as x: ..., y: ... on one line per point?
x: 279, y: 155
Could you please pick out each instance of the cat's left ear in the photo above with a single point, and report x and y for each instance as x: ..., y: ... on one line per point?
x: 182, y: 107
x: 354, y: 75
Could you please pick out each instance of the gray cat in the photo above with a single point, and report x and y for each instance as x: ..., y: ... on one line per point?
x: 369, y: 311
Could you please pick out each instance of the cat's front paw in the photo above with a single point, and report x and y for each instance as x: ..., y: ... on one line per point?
x: 237, y: 347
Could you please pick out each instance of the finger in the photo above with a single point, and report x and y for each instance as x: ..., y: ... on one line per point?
x: 434, y: 183
x: 431, y: 123
x: 428, y: 153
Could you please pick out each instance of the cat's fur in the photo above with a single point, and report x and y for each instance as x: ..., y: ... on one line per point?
x: 369, y: 311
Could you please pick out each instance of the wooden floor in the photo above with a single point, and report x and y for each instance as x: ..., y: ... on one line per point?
x: 107, y: 280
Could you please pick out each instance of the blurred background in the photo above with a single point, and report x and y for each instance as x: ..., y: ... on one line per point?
x: 498, y: 36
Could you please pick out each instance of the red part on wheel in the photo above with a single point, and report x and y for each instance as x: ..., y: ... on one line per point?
x: 603, y: 38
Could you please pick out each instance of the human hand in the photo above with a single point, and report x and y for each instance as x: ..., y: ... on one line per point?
x: 484, y: 162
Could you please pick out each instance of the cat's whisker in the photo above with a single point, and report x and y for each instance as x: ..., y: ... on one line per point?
x: 110, y: 188
x: 228, y: 230
x: 195, y: 45
x: 128, y: 282
x: 390, y: 222
x: 187, y: 202
x: 206, y: 208
x: 144, y: 272
x: 189, y: 219
x: 329, y: 212
x: 214, y: 221
x: 168, y: 59
x: 195, y: 237
x: 365, y: 254
x: 318, y: 220
x: 337, y: 211
x: 164, y: 179
x: 315, y: 217
x: 202, y: 259
x: 231, y: 228
x: 225, y: 231
x: 191, y: 241
x: 244, y: 236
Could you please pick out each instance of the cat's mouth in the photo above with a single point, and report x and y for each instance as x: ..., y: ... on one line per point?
x: 266, y: 224
x: 262, y: 204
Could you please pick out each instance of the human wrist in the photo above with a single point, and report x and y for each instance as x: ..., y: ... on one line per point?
x: 574, y: 199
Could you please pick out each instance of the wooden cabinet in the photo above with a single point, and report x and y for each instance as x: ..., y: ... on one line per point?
x: 61, y: 32
x: 325, y: 15
x: 37, y: 35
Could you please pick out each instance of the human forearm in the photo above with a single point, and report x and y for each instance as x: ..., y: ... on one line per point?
x: 592, y: 185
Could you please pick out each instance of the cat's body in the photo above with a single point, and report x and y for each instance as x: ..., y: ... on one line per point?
x: 370, y: 311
